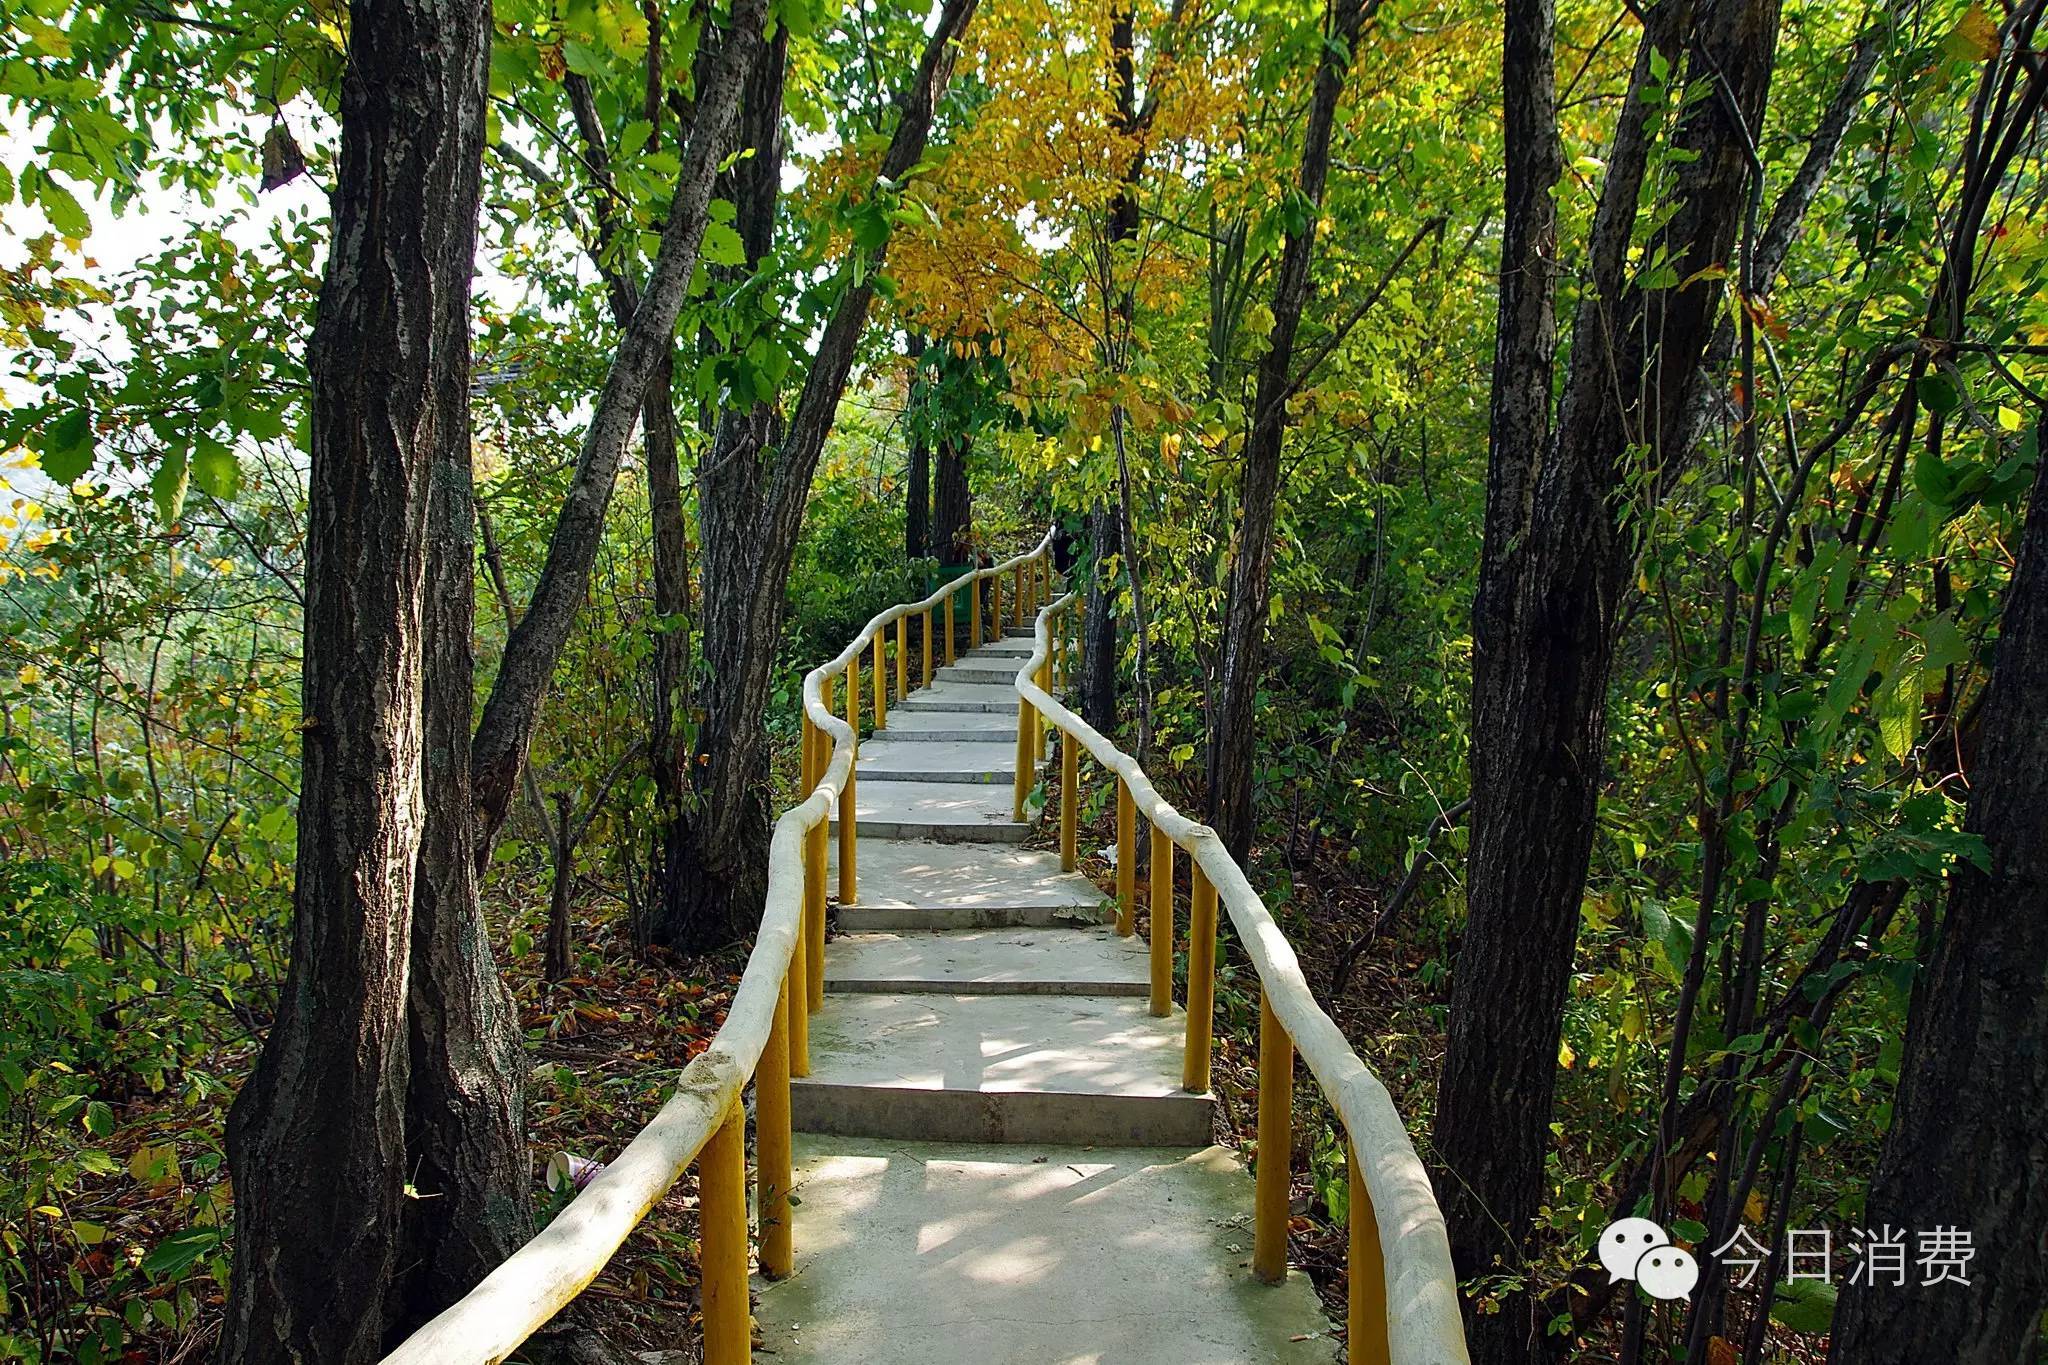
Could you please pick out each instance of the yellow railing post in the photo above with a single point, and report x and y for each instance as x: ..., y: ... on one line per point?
x: 799, y: 1001
x: 995, y: 607
x: 1021, y: 783
x: 771, y: 1134
x: 1365, y: 1337
x: 1044, y: 681
x: 1070, y: 798
x: 1162, y: 923
x: 973, y: 617
x: 1194, y: 1072
x: 881, y: 676
x: 1126, y: 860
x: 949, y: 627
x: 1276, y: 1145
x: 903, y: 656
x: 722, y: 1242
x: 849, y: 882
x: 927, y: 634
x: 814, y: 922
x: 1017, y: 593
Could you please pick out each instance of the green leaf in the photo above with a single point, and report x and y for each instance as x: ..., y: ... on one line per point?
x: 215, y: 469
x: 1805, y: 1306
x: 99, y: 1119
x: 722, y: 245
x: 172, y: 1257
x: 167, y: 486
x: 69, y: 446
x: 61, y: 207
x: 1937, y: 394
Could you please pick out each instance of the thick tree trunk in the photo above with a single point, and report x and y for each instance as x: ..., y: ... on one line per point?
x: 316, y: 1139
x: 917, y: 491
x: 1558, y: 551
x: 1965, y: 1148
x: 1233, y: 728
x: 751, y: 493
x: 465, y: 1134
x: 953, y: 520
x: 1098, y: 627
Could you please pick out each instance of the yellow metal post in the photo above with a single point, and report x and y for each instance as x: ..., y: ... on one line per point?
x: 903, y: 656
x: 949, y: 629
x: 722, y: 1239
x: 1021, y: 783
x: 881, y: 676
x: 973, y: 616
x: 799, y: 992
x: 1194, y: 1072
x: 995, y: 607
x: 849, y: 884
x: 1366, y: 1335
x: 814, y: 916
x: 927, y: 633
x: 1162, y: 923
x: 1276, y: 1145
x: 1070, y: 798
x: 1017, y: 593
x: 771, y: 1135
x: 1126, y: 860
x: 1044, y: 681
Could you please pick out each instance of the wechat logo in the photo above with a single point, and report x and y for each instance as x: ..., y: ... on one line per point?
x: 1637, y: 1249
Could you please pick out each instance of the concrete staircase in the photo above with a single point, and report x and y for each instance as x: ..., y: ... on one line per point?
x: 995, y: 1159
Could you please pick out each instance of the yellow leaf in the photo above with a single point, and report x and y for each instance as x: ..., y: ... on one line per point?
x: 29, y: 675
x: 1975, y: 37
x: 1565, y: 1055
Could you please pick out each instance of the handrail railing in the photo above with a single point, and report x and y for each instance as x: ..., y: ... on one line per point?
x: 764, y: 1039
x: 1404, y: 1292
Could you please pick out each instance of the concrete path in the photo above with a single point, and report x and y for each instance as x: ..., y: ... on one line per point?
x: 996, y: 1160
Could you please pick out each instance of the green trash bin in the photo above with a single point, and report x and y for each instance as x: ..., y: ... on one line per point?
x: 938, y: 576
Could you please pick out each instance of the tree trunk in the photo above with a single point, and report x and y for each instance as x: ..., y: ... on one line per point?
x: 316, y: 1138
x: 1965, y: 1149
x: 917, y: 492
x: 1558, y: 547
x: 953, y: 521
x: 751, y: 493
x: 1098, y: 627
x: 1233, y: 727
x: 562, y: 854
x: 465, y: 1133
x: 506, y: 727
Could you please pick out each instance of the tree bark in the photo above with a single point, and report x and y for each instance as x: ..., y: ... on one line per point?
x: 1233, y: 728
x: 1098, y: 626
x: 953, y: 523
x: 751, y: 493
x: 465, y: 1132
x: 917, y: 491
x: 1965, y: 1149
x: 1557, y: 551
x: 316, y: 1138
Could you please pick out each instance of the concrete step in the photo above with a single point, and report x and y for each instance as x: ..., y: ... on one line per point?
x: 948, y: 727
x: 1000, y: 649
x: 987, y: 698
x: 910, y: 884
x: 999, y: 1068
x: 922, y: 1253
x: 894, y: 760
x: 1002, y: 672
x: 952, y: 812
x: 1020, y: 632
x: 1058, y: 961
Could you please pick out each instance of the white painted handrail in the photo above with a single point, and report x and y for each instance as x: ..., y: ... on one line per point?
x: 1423, y: 1322
x: 541, y: 1278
